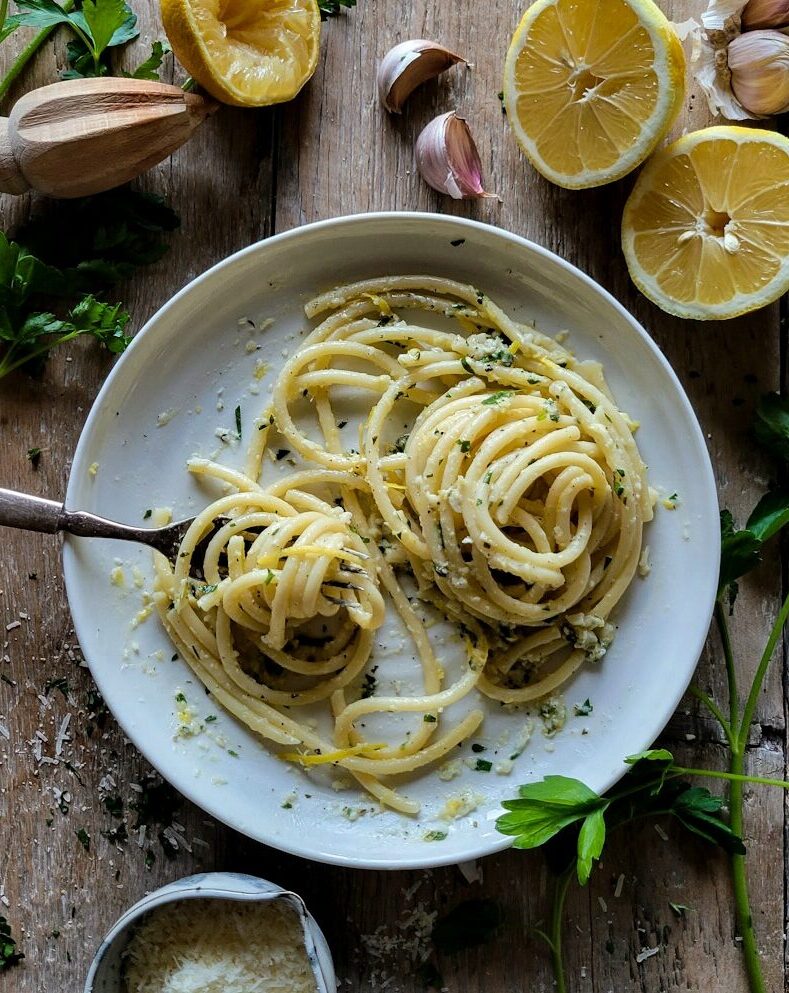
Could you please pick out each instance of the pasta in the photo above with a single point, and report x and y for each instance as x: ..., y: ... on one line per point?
x: 513, y: 502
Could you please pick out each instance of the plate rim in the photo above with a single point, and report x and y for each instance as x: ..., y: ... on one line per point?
x: 70, y: 561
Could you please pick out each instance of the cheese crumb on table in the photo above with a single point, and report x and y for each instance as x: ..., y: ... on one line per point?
x: 219, y: 946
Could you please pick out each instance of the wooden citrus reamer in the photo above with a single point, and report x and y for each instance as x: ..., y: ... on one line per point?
x: 82, y: 136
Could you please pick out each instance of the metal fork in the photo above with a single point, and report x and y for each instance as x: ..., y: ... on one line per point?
x: 32, y: 513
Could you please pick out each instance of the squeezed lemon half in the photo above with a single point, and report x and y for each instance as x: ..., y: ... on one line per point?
x: 590, y: 88
x: 250, y: 53
x: 705, y: 231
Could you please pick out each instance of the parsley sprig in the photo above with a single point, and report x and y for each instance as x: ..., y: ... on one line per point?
x: 331, y: 8
x: 40, y: 272
x: 572, y: 822
x: 9, y: 953
x: 98, y: 27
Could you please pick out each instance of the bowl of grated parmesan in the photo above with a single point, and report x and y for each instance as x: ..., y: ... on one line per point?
x: 217, y: 932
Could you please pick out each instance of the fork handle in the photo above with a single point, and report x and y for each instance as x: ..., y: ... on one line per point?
x: 31, y: 513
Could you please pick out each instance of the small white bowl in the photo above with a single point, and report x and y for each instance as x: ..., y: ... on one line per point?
x: 105, y: 971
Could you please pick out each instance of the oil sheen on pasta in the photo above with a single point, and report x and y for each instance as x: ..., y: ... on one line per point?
x: 514, y: 503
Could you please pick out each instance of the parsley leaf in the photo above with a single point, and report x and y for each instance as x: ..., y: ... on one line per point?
x: 771, y: 424
x: 739, y: 552
x: 471, y: 923
x: 769, y: 515
x: 591, y: 839
x: 498, y: 397
x: 573, y: 820
x: 98, y: 26
x: 8, y: 950
x: 331, y: 8
x: 148, y: 68
x: 106, y: 237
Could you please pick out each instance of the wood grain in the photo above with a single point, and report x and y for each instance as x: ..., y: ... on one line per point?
x: 245, y: 175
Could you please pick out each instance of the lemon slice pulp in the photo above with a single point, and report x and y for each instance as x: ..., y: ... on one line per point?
x: 590, y: 88
x: 705, y: 231
x: 250, y: 53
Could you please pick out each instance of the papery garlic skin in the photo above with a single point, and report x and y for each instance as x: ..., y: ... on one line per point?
x: 721, y: 23
x: 759, y: 65
x: 448, y: 160
x: 765, y: 14
x: 407, y: 66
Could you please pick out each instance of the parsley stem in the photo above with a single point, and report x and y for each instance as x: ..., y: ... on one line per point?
x: 761, y: 672
x: 189, y: 84
x: 715, y: 710
x: 557, y: 926
x: 733, y: 777
x: 742, y: 901
x: 27, y: 53
x: 7, y: 366
x: 731, y: 673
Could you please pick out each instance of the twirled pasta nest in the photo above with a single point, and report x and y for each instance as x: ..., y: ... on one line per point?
x: 493, y: 472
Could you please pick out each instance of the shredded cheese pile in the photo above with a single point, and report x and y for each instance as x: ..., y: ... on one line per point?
x: 219, y: 946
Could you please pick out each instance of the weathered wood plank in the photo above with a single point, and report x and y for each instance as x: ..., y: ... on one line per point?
x: 336, y: 152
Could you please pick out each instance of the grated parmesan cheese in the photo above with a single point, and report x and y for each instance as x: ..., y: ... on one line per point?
x: 219, y: 946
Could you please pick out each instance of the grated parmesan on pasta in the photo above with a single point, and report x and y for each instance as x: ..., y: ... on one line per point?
x: 219, y: 946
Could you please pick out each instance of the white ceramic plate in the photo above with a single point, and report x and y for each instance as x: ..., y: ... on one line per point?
x: 191, y: 362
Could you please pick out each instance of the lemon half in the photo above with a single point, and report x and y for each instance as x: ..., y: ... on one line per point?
x: 590, y: 88
x: 705, y: 231
x: 250, y: 53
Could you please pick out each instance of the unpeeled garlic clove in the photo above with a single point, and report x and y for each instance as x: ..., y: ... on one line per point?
x: 409, y: 64
x: 448, y: 160
x: 759, y: 65
x: 765, y: 14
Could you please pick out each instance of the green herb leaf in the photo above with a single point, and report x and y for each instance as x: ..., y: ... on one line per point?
x: 544, y: 808
x: 149, y: 68
x: 771, y: 424
x: 695, y: 808
x: 471, y: 923
x: 559, y: 791
x: 651, y: 755
x: 102, y: 20
x: 739, y: 552
x: 9, y: 954
x: 331, y: 8
x: 41, y: 13
x: 9, y: 26
x: 498, y: 397
x: 591, y: 840
x: 109, y: 235
x: 769, y: 515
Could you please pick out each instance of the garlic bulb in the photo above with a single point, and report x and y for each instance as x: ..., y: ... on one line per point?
x: 409, y: 64
x: 765, y: 14
x: 759, y: 65
x: 448, y: 160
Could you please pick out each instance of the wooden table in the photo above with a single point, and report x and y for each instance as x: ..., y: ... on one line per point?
x: 246, y: 175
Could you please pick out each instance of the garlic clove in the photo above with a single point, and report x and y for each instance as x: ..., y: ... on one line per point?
x: 448, y: 160
x: 409, y: 64
x: 765, y: 14
x: 759, y: 66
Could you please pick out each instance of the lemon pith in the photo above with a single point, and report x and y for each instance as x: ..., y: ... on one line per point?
x: 705, y: 230
x: 249, y: 53
x: 591, y: 88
